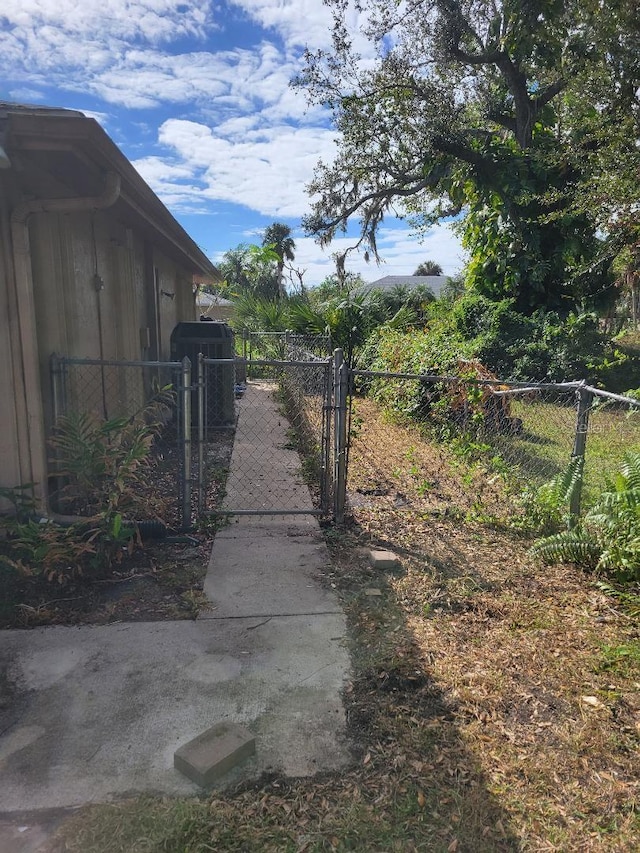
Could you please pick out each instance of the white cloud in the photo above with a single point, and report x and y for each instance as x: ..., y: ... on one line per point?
x: 298, y: 22
x: 156, y: 171
x: 400, y: 249
x: 102, y: 118
x: 265, y: 169
x: 152, y: 20
x: 26, y: 95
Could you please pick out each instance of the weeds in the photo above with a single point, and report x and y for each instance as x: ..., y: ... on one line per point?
x: 104, y: 465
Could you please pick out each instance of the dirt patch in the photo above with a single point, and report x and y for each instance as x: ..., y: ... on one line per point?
x: 162, y: 580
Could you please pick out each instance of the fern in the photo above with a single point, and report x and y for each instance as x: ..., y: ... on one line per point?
x: 570, y: 546
x: 608, y: 538
x: 547, y: 507
x: 630, y: 470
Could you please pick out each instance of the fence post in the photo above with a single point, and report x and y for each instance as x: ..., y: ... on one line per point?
x: 201, y: 483
x: 340, y: 434
x: 585, y: 400
x: 185, y: 390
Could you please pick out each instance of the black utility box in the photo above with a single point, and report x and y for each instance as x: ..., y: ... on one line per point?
x: 213, y: 340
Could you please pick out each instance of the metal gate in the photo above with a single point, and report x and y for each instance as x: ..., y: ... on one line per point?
x: 264, y: 440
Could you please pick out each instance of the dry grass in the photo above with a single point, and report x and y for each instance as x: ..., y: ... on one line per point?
x: 494, y: 704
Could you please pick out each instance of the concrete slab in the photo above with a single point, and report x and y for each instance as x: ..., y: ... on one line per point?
x: 211, y: 755
x: 267, y: 570
x: 94, y: 712
x: 29, y: 832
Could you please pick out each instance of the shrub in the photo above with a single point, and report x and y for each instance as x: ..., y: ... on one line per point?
x: 106, y: 464
x: 608, y: 538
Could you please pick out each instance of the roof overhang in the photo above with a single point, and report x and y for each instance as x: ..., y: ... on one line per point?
x: 64, y: 154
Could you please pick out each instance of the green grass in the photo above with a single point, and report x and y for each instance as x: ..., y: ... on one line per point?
x: 544, y: 447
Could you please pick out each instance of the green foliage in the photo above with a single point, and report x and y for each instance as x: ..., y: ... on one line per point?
x: 48, y: 550
x: 539, y: 347
x: 546, y: 508
x: 105, y: 465
x: 542, y: 346
x: 428, y: 268
x: 22, y: 500
x: 524, y: 115
x: 340, y: 308
x: 607, y: 540
x: 251, y: 270
x: 105, y: 462
x: 277, y: 238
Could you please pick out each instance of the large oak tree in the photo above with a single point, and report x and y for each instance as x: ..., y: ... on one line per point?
x: 496, y: 110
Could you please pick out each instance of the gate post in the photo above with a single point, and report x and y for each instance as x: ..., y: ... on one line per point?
x: 185, y: 391
x: 340, y: 375
x: 585, y: 400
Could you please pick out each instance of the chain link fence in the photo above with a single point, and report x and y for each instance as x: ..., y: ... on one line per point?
x: 280, y: 462
x: 93, y: 403
x: 307, y: 435
x: 452, y: 444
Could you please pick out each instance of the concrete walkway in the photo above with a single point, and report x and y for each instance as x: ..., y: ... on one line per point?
x: 90, y: 713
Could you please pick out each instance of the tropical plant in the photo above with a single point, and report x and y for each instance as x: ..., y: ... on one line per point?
x: 47, y: 550
x: 105, y: 463
x: 277, y: 237
x: 546, y: 508
x: 250, y: 270
x: 607, y: 540
x: 105, y: 466
x: 428, y: 268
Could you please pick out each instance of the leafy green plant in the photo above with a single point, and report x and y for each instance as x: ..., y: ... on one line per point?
x: 105, y: 466
x: 105, y: 463
x: 22, y: 500
x: 608, y: 538
x: 48, y: 550
x: 546, y: 508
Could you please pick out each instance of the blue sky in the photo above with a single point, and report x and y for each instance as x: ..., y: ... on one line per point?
x: 197, y: 96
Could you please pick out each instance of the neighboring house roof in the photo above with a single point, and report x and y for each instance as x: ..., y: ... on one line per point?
x: 434, y: 282
x: 64, y: 154
x: 211, y: 300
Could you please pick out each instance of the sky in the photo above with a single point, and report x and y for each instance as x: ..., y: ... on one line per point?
x: 196, y: 94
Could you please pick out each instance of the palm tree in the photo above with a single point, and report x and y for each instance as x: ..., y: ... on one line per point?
x: 429, y: 268
x: 278, y: 237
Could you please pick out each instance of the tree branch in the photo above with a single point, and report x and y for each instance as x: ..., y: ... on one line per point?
x: 549, y: 93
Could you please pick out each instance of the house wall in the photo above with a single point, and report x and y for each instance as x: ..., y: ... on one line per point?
x: 13, y: 423
x: 99, y: 290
